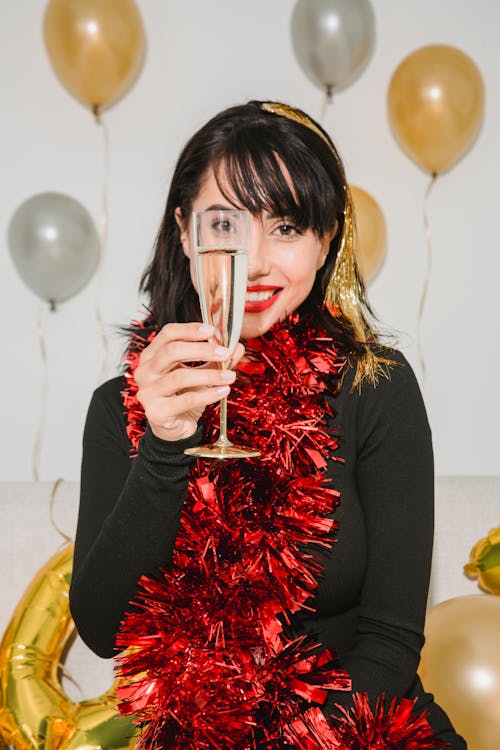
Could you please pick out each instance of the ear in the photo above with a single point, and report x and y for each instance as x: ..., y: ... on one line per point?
x: 325, y: 246
x: 184, y: 234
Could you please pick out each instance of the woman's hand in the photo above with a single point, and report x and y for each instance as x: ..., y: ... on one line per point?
x: 174, y: 396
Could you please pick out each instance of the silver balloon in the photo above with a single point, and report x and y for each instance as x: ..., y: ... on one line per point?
x: 333, y: 40
x: 54, y: 245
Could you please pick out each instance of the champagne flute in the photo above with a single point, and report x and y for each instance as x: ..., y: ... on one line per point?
x: 220, y: 243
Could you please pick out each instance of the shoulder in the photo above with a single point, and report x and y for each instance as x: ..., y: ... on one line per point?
x: 109, y: 394
x: 397, y: 379
x: 106, y: 413
x: 394, y: 403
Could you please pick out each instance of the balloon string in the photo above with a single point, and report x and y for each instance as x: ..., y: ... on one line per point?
x: 53, y: 494
x: 37, y: 443
x: 327, y: 100
x: 425, y: 288
x: 103, y: 233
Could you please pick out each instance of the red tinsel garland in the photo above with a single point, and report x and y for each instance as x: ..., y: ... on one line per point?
x: 209, y: 662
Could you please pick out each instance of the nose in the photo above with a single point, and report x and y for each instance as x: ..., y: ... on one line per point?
x: 258, y: 254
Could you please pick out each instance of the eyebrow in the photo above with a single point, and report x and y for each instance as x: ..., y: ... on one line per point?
x: 220, y: 207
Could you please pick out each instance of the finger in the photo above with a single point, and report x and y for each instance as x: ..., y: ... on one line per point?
x: 186, y: 378
x: 185, y: 402
x: 177, y: 332
x: 174, y: 354
x: 177, y: 352
x: 237, y: 355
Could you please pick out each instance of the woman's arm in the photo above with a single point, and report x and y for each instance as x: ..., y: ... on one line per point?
x: 395, y: 483
x: 128, y: 518
x: 129, y: 515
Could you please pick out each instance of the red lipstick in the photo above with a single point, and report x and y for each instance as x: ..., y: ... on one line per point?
x: 261, y: 305
x: 261, y: 288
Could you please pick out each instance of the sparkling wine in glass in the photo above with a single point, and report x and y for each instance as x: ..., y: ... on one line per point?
x: 220, y: 243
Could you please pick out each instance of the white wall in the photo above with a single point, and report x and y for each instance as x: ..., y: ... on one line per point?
x: 202, y: 57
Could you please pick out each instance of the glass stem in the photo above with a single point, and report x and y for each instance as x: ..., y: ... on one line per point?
x: 223, y: 441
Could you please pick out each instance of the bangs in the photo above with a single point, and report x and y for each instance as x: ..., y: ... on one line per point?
x: 249, y: 170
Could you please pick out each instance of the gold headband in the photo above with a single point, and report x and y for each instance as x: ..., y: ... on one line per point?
x: 344, y: 293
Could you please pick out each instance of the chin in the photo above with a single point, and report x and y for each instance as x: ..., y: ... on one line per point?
x: 256, y: 328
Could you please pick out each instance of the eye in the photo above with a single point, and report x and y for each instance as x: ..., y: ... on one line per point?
x: 287, y: 229
x: 223, y: 226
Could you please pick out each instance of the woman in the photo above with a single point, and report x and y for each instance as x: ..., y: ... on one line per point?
x: 254, y: 571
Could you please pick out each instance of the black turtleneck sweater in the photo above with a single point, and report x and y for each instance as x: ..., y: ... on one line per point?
x: 371, y: 601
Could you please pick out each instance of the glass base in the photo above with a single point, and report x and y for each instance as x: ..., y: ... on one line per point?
x: 222, y: 451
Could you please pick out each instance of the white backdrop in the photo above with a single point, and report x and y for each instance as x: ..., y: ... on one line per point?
x: 202, y: 57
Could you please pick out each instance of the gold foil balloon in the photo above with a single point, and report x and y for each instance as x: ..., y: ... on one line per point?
x: 35, y: 712
x: 461, y: 665
x: 436, y: 105
x: 485, y: 562
x: 370, y: 233
x: 95, y: 47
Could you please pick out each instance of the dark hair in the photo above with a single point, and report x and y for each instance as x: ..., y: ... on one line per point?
x: 249, y: 143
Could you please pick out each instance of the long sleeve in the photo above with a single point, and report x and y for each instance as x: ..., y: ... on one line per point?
x: 128, y: 518
x: 391, y: 475
x: 394, y: 480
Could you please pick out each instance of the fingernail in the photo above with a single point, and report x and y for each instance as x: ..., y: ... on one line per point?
x: 223, y: 390
x: 205, y: 329
x: 228, y: 375
x: 222, y: 352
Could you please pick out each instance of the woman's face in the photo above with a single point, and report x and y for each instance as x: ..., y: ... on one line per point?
x: 282, y: 260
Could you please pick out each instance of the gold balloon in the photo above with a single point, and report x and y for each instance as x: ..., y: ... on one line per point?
x: 95, y: 47
x: 370, y: 236
x: 485, y: 562
x: 436, y: 105
x: 35, y: 712
x: 461, y: 665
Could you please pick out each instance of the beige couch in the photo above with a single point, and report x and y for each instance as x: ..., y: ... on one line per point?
x: 466, y: 508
